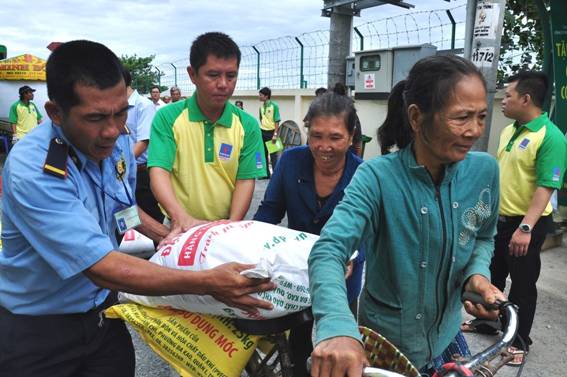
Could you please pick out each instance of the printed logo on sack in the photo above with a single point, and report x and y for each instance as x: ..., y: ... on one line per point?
x: 524, y: 144
x: 259, y: 164
x: 130, y: 235
x: 189, y: 249
x: 225, y: 151
x: 556, y: 174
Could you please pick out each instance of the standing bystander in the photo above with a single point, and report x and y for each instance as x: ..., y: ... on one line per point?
x: 24, y: 114
x: 205, y: 153
x: 140, y: 116
x: 269, y: 123
x: 175, y: 94
x: 154, y: 96
x: 532, y: 158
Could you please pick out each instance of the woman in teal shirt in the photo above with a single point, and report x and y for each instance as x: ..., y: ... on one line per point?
x: 426, y: 216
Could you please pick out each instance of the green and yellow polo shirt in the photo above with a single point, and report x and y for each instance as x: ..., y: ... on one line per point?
x: 269, y: 115
x: 205, y: 159
x: 530, y: 156
x: 25, y: 117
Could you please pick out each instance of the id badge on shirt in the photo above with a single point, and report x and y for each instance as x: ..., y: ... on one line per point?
x: 127, y: 218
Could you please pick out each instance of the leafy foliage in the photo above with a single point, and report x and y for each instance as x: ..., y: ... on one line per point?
x: 144, y: 76
x: 522, y: 39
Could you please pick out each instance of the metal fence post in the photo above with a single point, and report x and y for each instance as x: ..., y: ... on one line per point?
x: 174, y: 72
x: 159, y: 75
x: 359, y: 36
x: 453, y: 28
x: 302, y: 83
x: 257, y: 68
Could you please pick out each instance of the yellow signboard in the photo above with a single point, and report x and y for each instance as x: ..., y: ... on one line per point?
x: 23, y: 67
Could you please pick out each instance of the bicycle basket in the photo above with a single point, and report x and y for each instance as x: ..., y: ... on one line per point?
x: 383, y: 354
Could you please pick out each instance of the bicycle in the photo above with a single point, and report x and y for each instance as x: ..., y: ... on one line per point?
x: 483, y: 364
x: 275, y: 362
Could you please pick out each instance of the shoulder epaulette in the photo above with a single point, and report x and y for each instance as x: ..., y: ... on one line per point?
x: 56, y: 160
x: 126, y: 130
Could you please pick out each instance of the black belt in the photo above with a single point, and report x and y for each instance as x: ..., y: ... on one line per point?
x: 509, y: 219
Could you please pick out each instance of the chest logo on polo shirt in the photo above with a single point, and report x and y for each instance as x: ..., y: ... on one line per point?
x: 259, y: 164
x: 225, y: 151
x: 524, y: 143
x: 556, y: 174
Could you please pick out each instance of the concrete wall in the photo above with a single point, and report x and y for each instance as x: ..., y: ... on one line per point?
x: 9, y: 95
x: 295, y: 103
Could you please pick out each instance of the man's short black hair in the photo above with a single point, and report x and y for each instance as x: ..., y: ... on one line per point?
x: 266, y: 91
x: 155, y: 87
x: 213, y: 43
x: 320, y: 91
x: 80, y: 62
x: 534, y: 83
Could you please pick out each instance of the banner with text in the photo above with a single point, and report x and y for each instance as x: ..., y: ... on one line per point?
x: 23, y: 67
x: 194, y: 344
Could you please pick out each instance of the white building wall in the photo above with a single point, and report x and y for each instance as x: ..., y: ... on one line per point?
x: 9, y: 95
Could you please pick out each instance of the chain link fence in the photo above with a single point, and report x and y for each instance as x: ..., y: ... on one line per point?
x: 301, y: 62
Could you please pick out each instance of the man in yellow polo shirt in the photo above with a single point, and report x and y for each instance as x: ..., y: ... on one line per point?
x: 205, y: 153
x: 24, y: 114
x: 269, y: 123
x: 532, y: 157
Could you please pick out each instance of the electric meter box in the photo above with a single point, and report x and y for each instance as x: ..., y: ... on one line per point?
x: 377, y: 71
x: 350, y: 72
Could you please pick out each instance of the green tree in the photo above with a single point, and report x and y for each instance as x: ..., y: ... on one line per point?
x: 144, y: 75
x: 522, y: 39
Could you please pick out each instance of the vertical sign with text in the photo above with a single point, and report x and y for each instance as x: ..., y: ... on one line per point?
x: 559, y: 37
x: 559, y: 44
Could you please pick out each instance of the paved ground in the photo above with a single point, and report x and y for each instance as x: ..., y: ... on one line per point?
x: 548, y: 355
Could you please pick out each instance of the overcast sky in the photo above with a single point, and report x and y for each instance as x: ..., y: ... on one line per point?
x: 167, y: 28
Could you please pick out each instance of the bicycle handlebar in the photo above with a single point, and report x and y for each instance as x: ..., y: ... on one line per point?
x: 475, y: 298
x: 511, y: 313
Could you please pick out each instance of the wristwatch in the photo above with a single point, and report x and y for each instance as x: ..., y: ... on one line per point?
x: 525, y: 228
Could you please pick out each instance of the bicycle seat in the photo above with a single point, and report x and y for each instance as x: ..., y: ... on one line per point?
x: 274, y: 325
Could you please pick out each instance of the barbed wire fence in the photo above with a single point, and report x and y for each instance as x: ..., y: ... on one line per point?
x: 301, y: 61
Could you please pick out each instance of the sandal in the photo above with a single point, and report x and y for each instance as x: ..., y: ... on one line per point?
x: 480, y: 326
x: 519, y: 356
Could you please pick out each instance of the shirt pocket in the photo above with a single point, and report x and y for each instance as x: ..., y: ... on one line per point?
x: 381, y: 314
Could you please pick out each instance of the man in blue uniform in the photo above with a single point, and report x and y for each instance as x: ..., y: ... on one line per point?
x: 68, y: 187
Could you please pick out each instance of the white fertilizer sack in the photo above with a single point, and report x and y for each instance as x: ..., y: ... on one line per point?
x: 278, y: 253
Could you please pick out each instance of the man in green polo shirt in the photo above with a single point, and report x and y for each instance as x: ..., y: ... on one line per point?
x: 532, y: 157
x: 205, y: 153
x: 269, y: 123
x: 24, y: 114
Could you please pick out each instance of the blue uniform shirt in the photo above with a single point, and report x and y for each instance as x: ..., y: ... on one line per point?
x: 140, y: 116
x: 53, y: 228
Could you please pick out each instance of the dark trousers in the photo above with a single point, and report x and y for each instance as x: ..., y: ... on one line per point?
x: 524, y: 271
x: 144, y: 196
x: 267, y: 136
x: 73, y: 345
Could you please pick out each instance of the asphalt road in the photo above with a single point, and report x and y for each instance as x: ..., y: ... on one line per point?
x: 548, y: 354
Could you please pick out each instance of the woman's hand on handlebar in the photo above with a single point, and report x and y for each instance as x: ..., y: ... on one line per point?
x: 490, y: 294
x: 338, y: 357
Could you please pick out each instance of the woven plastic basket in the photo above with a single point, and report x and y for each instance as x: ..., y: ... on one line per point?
x: 383, y: 354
